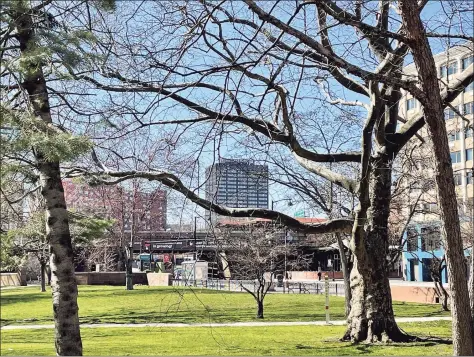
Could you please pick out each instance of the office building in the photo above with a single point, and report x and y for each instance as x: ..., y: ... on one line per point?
x: 423, y: 246
x: 418, y: 168
x: 237, y: 184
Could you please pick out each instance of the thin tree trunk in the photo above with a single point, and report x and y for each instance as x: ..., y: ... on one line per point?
x: 346, y: 275
x: 437, y: 278
x: 63, y: 283
x: 259, y: 309
x: 443, y: 296
x: 43, y: 276
x: 129, y: 278
x: 48, y: 273
x: 433, y: 110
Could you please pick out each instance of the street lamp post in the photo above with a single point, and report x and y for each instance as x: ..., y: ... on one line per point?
x: 128, y: 273
x: 195, y: 249
x: 290, y: 203
x: 129, y: 278
x: 195, y: 239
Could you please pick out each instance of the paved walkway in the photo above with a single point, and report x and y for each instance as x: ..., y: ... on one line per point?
x: 230, y: 324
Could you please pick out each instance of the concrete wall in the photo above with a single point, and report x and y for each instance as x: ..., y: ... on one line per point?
x: 12, y: 279
x: 159, y: 279
x: 421, y: 294
x: 109, y: 278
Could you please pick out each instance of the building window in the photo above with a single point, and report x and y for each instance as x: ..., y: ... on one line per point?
x: 458, y: 179
x: 468, y: 154
x: 411, y: 103
x: 468, y: 177
x: 468, y: 108
x: 429, y: 207
x: 430, y: 239
x: 337, y: 263
x: 448, y: 70
x: 456, y: 157
x: 469, y: 87
x: 466, y: 62
x: 449, y: 114
x: 468, y: 133
x: 412, y: 239
x: 453, y: 136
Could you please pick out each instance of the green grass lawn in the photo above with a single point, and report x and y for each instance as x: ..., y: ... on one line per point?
x: 280, y: 340
x: 106, y: 304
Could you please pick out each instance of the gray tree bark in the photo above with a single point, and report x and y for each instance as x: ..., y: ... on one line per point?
x: 43, y: 276
x: 434, y: 117
x: 471, y: 287
x: 63, y: 282
x: 259, y: 309
x: 471, y: 272
x: 371, y: 316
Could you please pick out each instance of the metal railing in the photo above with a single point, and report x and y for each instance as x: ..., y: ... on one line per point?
x: 286, y: 287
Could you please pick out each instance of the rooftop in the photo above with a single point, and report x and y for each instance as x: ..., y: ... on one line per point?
x: 441, y: 57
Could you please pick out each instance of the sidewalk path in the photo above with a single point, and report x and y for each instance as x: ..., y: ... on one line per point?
x: 230, y: 324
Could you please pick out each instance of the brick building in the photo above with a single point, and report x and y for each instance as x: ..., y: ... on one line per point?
x: 115, y: 202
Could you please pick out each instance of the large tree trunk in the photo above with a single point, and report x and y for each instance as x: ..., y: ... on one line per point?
x: 63, y: 283
x: 433, y: 110
x: 43, y: 276
x: 346, y: 275
x: 471, y: 272
x: 471, y: 285
x: 371, y: 317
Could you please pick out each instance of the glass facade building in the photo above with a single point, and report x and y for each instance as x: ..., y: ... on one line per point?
x: 237, y: 184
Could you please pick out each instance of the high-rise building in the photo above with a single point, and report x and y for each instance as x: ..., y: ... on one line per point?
x: 237, y: 184
x: 451, y: 64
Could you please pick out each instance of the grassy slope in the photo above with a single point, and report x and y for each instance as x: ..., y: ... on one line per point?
x: 105, y: 304
x: 288, y: 340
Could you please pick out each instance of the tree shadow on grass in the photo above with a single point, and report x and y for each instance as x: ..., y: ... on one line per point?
x: 8, y: 299
x: 422, y: 342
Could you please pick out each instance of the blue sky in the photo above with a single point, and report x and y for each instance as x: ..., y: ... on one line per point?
x: 309, y: 99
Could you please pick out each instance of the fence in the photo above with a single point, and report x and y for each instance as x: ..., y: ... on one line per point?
x: 336, y: 289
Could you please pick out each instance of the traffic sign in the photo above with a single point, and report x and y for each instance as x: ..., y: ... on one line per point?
x: 299, y: 213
